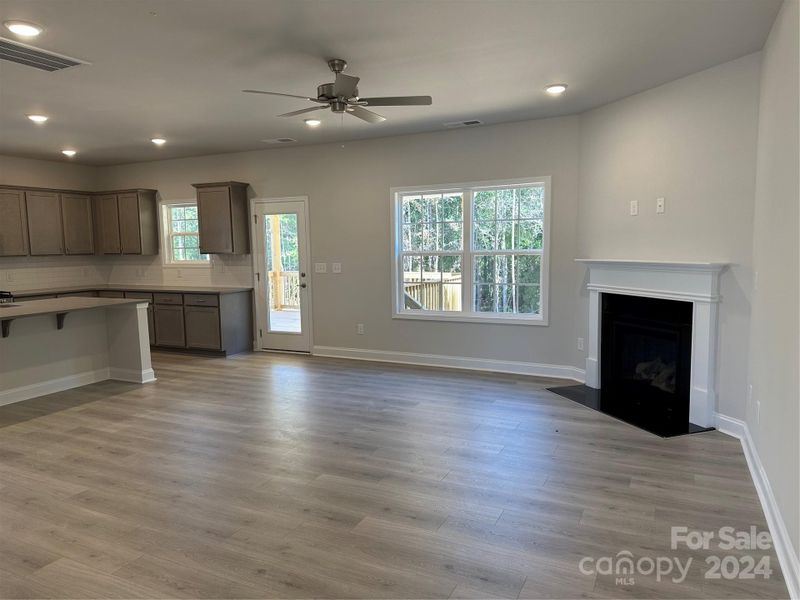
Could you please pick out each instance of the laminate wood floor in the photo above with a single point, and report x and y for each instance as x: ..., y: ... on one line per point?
x: 271, y: 476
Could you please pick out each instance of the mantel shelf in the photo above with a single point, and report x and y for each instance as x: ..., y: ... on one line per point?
x: 653, y: 264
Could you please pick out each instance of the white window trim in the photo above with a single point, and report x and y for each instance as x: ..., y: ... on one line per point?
x: 468, y: 315
x: 166, y: 241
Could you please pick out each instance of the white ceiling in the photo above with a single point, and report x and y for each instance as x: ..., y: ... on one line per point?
x: 175, y: 68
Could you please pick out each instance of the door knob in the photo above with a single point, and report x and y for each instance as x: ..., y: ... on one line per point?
x: 302, y: 274
x: 302, y: 285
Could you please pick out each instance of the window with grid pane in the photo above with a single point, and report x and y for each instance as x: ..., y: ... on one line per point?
x: 472, y: 251
x: 182, y: 237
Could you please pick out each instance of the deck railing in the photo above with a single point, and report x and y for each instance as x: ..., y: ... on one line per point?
x: 284, y: 289
x: 433, y: 295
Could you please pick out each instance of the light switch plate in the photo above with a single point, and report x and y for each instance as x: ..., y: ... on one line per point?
x: 320, y: 267
x: 660, y: 206
x: 634, y: 208
x: 336, y: 267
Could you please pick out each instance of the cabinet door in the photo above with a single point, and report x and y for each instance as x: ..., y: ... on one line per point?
x: 13, y: 227
x: 44, y: 223
x: 214, y: 220
x: 109, y: 224
x: 129, y: 227
x: 169, y: 326
x: 202, y: 327
x: 76, y: 212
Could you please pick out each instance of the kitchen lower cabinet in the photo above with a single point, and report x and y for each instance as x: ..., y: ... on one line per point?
x: 169, y: 326
x: 202, y: 327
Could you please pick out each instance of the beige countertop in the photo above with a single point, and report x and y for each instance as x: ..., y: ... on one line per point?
x: 178, y: 289
x: 52, y: 306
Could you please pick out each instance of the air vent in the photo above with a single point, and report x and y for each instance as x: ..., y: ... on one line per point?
x: 279, y: 141
x: 37, y: 58
x: 470, y: 123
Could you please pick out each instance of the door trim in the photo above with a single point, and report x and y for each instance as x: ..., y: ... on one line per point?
x: 254, y: 231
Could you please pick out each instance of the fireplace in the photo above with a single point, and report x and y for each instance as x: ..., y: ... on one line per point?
x: 646, y: 345
x: 651, y: 355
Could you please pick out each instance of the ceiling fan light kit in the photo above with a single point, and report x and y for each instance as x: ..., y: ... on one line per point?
x: 342, y: 97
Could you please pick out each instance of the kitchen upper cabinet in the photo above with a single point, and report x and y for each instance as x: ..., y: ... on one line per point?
x: 13, y: 223
x: 76, y: 212
x: 222, y: 218
x: 127, y: 222
x: 108, y: 224
x: 45, y: 233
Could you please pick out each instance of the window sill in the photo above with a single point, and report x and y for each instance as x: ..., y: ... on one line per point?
x: 462, y: 318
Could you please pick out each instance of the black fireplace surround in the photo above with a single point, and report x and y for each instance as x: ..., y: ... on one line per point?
x: 645, y: 361
x: 645, y: 364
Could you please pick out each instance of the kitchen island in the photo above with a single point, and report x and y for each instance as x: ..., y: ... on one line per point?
x: 55, y: 344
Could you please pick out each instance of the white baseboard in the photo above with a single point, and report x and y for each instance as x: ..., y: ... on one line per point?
x: 132, y: 375
x: 26, y: 392
x: 454, y: 362
x: 790, y: 564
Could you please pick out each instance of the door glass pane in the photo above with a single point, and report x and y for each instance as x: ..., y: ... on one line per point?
x: 283, y: 273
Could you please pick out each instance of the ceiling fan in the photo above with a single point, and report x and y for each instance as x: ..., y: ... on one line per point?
x: 341, y: 96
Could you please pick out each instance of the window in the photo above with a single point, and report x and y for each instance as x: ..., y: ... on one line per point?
x: 182, y: 240
x: 475, y: 252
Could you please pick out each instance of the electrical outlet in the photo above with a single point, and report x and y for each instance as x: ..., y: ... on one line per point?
x: 634, y: 208
x: 10, y: 276
x: 660, y: 206
x: 336, y: 267
x: 360, y: 329
x: 320, y: 267
x: 580, y: 343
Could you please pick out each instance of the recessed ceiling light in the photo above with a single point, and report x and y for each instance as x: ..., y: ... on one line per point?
x: 313, y: 122
x: 556, y: 89
x: 159, y: 141
x: 69, y: 153
x: 38, y: 118
x: 23, y: 28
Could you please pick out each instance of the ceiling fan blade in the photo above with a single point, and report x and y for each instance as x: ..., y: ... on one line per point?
x: 398, y: 101
x: 365, y: 115
x: 301, y: 111
x: 284, y: 95
x: 345, y: 86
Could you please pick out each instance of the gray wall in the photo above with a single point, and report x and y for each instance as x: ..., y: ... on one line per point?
x: 348, y: 189
x: 774, y: 355
x: 693, y: 142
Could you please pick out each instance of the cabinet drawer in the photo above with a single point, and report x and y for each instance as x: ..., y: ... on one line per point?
x: 88, y: 294
x: 161, y: 298
x: 110, y: 294
x: 201, y: 299
x: 140, y: 296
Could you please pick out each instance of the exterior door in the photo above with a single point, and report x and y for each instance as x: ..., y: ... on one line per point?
x: 282, y: 283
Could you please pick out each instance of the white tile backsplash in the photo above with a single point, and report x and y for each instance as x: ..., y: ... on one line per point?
x: 47, y: 272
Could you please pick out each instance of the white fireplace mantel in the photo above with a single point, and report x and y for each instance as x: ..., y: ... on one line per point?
x: 695, y: 282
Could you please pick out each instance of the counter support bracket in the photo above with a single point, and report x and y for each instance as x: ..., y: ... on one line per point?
x: 5, y: 324
x: 60, y: 320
